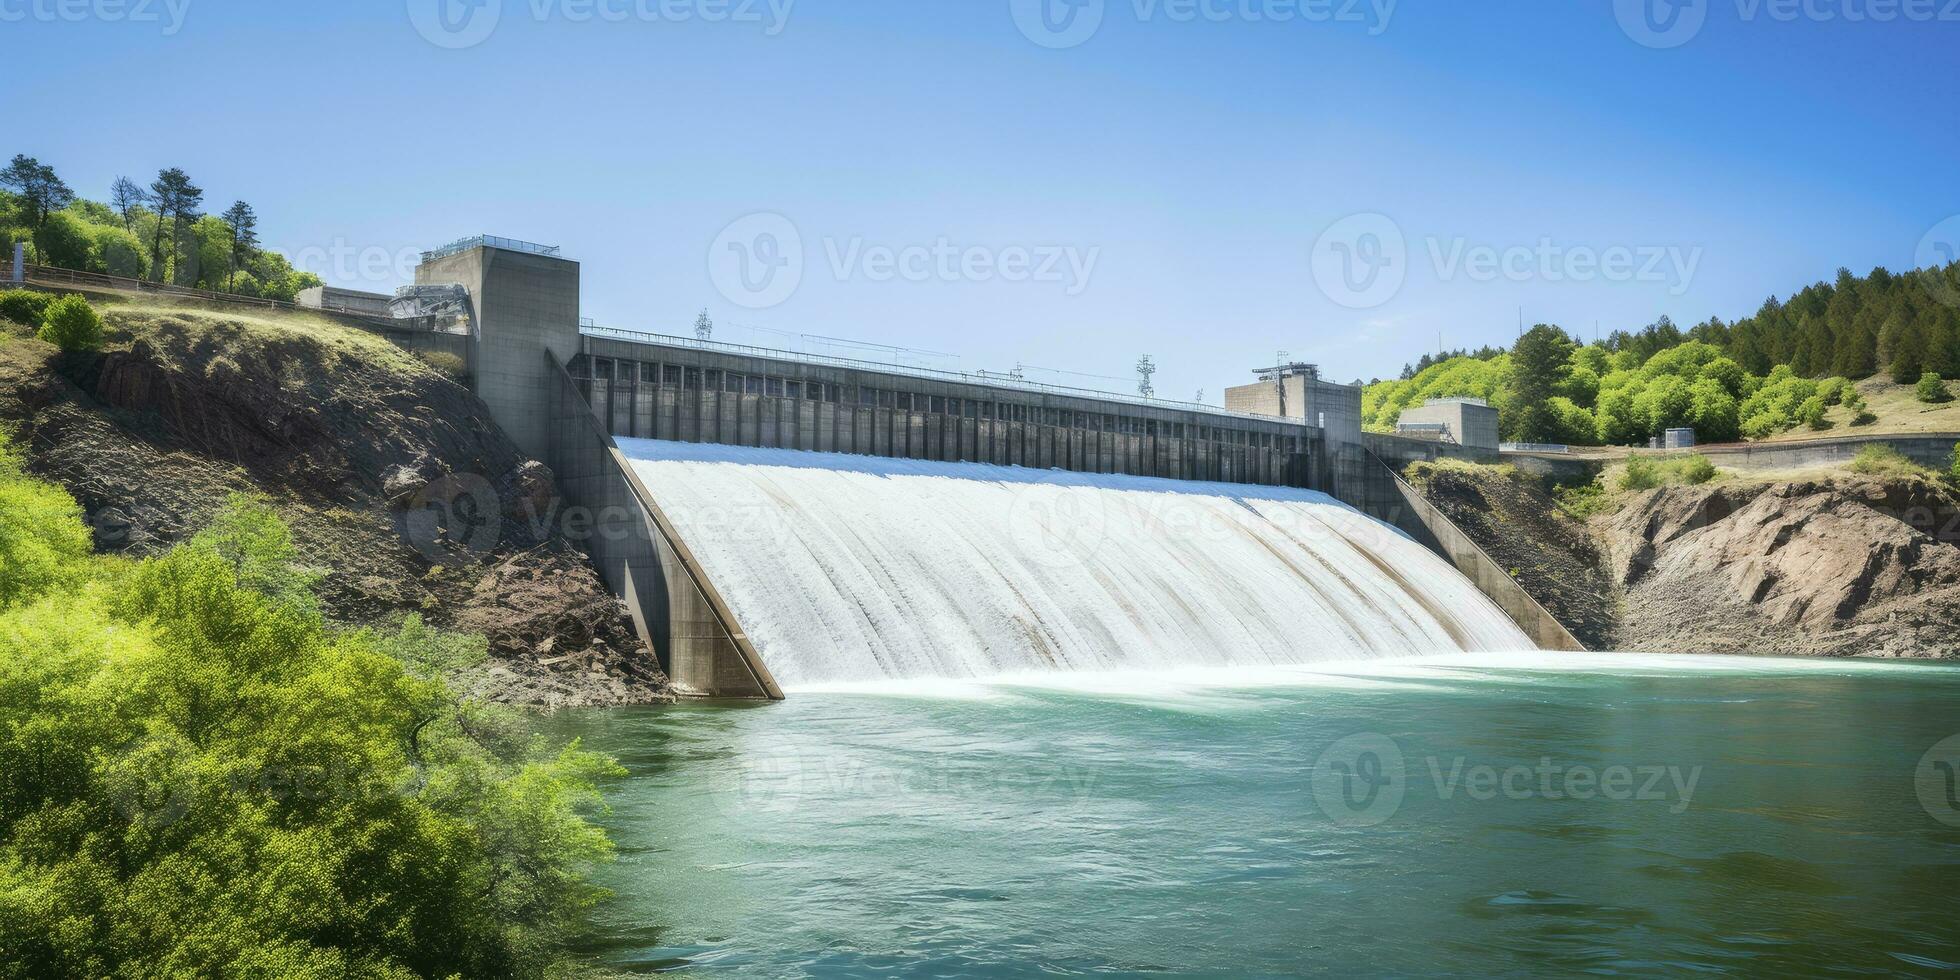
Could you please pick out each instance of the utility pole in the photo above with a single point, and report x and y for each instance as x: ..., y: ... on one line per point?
x: 1145, y: 368
x: 704, y: 328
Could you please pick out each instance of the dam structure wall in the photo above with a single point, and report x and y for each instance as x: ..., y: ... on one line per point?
x: 572, y: 393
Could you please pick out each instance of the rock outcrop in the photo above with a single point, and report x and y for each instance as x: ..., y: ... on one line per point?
x: 1851, y: 566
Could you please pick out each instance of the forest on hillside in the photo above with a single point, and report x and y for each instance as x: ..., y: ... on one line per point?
x: 157, y: 231
x: 1782, y: 367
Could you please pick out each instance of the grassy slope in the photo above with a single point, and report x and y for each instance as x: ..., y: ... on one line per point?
x: 1899, y: 411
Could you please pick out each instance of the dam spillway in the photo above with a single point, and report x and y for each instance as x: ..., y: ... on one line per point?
x: 853, y: 568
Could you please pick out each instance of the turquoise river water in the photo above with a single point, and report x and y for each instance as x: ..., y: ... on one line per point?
x: 1483, y: 814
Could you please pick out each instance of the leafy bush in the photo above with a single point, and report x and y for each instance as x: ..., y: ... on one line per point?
x: 71, y: 324
x: 63, y: 240
x: 1954, y: 473
x: 450, y: 365
x: 24, y: 306
x: 1641, y: 474
x: 1932, y: 390
x: 1811, y: 412
x: 204, y: 779
x: 1880, y: 459
x: 1584, y: 500
x: 1696, y: 470
x: 42, y: 538
x: 118, y: 253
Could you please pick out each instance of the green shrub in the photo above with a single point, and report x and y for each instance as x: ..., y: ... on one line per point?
x: 24, y: 306
x: 1880, y: 459
x: 1584, y: 500
x: 118, y: 253
x: 71, y: 324
x: 1811, y: 412
x: 202, y: 778
x: 63, y: 240
x: 449, y: 365
x: 42, y: 536
x: 1696, y: 470
x: 1641, y: 474
x: 1932, y: 390
x: 1954, y: 473
x: 1832, y: 391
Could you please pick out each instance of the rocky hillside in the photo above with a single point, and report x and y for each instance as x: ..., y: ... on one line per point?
x: 1554, y: 557
x: 1840, y: 565
x: 1846, y: 566
x: 396, y: 485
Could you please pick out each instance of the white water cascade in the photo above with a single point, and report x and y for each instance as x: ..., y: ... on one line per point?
x: 854, y: 568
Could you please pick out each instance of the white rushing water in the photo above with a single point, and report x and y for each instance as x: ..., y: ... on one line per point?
x: 853, y: 568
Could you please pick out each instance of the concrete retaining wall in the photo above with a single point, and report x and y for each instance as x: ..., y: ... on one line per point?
x: 1932, y: 450
x: 1386, y: 496
x: 643, y: 559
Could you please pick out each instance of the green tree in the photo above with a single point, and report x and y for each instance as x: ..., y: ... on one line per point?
x: 1932, y: 390
x: 175, y: 199
x: 63, y: 240
x: 1857, y: 353
x: 71, y: 324
x: 202, y: 778
x: 40, y: 190
x: 1907, y: 358
x: 1538, y: 368
x: 43, y: 541
x: 244, y: 228
x: 118, y: 253
x: 127, y: 197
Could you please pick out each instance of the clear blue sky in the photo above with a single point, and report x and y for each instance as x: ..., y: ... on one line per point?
x: 1198, y: 162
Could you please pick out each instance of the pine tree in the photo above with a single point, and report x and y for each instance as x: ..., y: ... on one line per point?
x: 1908, y: 360
x: 1857, y: 352
x: 39, y: 188
x: 176, y: 199
x: 244, y: 238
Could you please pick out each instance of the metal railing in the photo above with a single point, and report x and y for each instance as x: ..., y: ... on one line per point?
x: 75, y: 277
x: 988, y: 379
x: 51, y: 275
x: 492, y: 241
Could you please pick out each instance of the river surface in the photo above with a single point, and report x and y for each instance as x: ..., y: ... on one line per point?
x: 1479, y: 814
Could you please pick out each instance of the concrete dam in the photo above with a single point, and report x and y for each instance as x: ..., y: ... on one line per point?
x: 777, y: 519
